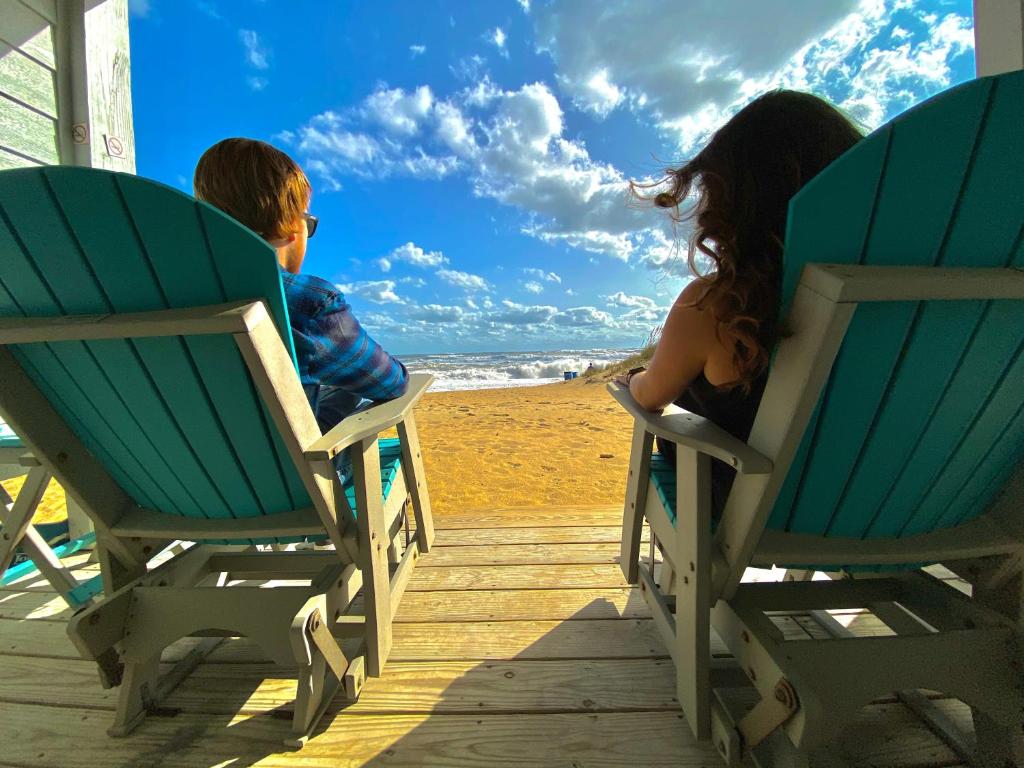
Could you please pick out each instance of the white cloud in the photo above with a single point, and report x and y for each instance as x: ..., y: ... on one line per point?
x: 140, y: 8
x: 411, y: 253
x: 417, y: 50
x: 377, y: 291
x: 463, y: 280
x: 521, y: 314
x: 384, y: 263
x: 257, y: 83
x: 397, y: 111
x: 540, y: 274
x: 599, y: 95
x: 688, y: 66
x: 209, y: 8
x: 533, y: 287
x: 469, y: 69
x: 256, y: 54
x: 438, y: 313
x: 525, y: 5
x: 415, y: 282
x: 584, y: 316
x: 498, y: 38
x: 621, y: 299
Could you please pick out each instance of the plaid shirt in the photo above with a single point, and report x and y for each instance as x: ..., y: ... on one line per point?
x: 332, y: 348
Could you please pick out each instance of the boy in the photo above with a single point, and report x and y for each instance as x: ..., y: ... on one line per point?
x: 339, y: 364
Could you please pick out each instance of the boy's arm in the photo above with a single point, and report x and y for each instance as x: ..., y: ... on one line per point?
x: 349, y: 358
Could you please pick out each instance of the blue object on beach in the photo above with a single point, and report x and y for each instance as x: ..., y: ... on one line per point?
x: 570, y: 374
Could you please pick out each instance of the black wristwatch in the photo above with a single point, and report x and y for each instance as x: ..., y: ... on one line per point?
x: 632, y: 372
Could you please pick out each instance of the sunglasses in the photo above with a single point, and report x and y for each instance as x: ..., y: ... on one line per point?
x: 311, y: 222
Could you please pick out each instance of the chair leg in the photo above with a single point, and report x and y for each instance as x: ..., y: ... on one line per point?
x: 373, y: 554
x: 17, y: 521
x: 416, y: 482
x: 999, y: 746
x: 137, y: 694
x: 636, y: 500
x: 692, y: 554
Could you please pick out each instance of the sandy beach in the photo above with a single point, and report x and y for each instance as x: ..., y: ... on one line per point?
x: 564, y: 443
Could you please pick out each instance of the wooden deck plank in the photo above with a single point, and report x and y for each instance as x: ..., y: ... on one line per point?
x: 512, y: 605
x: 521, y: 651
x: 583, y: 534
x: 530, y: 577
x: 515, y: 554
x: 448, y: 687
x: 456, y: 641
x: 74, y: 738
x: 532, y: 517
x: 33, y: 736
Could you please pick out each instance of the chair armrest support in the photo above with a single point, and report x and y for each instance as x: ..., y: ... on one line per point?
x: 369, y: 422
x: 696, y: 432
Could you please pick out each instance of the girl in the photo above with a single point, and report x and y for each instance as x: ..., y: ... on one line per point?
x: 712, y: 358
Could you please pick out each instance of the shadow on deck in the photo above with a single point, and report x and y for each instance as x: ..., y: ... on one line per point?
x: 517, y: 643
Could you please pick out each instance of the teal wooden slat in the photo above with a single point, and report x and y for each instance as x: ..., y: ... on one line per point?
x: 23, y: 197
x: 187, y: 421
x: 247, y: 267
x: 986, y: 399
x: 931, y: 150
x: 986, y: 481
x: 988, y: 220
x: 905, y: 412
x: 98, y: 436
x: 917, y: 196
x: 818, y: 230
x: 244, y: 272
x: 781, y: 516
x: 188, y: 278
x: 118, y: 382
x: 856, y: 386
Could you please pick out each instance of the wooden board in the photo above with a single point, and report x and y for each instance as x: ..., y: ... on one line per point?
x: 516, y: 577
x: 581, y: 534
x: 515, y: 554
x: 532, y: 517
x: 537, y: 671
x: 74, y: 737
x: 490, y: 605
x: 586, y: 685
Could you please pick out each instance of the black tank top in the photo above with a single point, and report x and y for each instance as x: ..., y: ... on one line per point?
x: 733, y: 411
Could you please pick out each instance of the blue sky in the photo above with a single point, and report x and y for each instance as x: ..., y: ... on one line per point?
x: 469, y: 159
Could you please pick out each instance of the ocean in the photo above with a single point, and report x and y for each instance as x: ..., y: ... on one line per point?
x: 493, y: 370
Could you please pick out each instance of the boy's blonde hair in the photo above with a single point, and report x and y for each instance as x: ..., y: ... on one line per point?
x: 255, y: 183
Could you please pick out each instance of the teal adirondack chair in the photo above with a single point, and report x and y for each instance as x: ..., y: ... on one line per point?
x: 146, y: 361
x: 890, y: 436
x: 43, y: 545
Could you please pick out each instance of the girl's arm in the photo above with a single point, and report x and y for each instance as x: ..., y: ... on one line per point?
x: 686, y: 341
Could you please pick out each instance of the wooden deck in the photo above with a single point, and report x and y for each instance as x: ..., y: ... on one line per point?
x: 517, y: 643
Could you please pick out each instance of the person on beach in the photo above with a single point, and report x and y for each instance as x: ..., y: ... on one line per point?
x: 340, y: 366
x: 712, y: 357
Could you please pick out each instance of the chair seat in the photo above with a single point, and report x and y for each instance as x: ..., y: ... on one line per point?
x: 663, y: 476
x: 390, y: 449
x: 390, y: 463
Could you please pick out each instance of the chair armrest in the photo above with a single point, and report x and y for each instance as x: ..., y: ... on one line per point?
x: 369, y: 422
x: 696, y: 432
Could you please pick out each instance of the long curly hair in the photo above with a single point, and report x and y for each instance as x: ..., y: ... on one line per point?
x: 744, y: 179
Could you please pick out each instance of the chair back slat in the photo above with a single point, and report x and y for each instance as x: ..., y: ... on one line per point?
x: 920, y: 418
x: 176, y: 420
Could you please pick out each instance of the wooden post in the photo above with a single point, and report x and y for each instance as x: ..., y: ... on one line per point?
x: 95, y: 77
x: 998, y: 36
